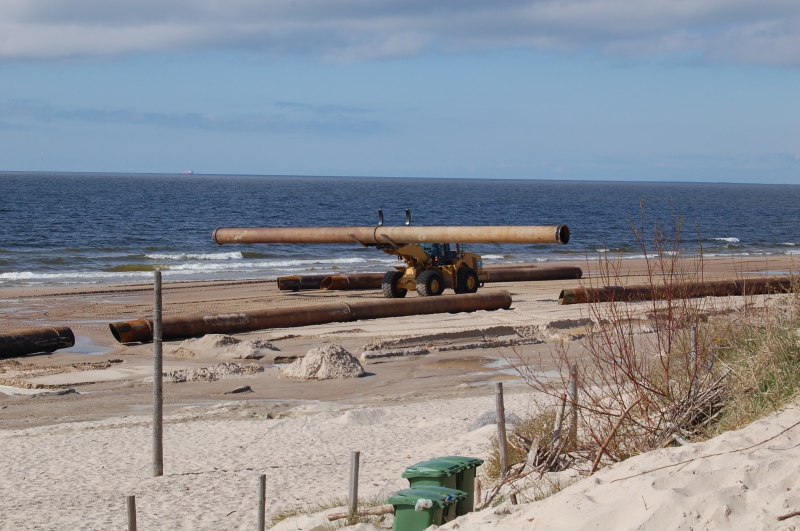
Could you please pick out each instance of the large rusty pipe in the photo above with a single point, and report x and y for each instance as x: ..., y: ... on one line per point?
x: 24, y: 342
x: 522, y: 273
x: 528, y: 274
x: 719, y: 288
x: 356, y: 281
x: 300, y: 282
x: 140, y: 330
x: 558, y: 234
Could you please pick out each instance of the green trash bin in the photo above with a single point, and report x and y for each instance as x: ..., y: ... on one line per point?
x: 408, y: 518
x: 438, y: 472
x: 465, y: 481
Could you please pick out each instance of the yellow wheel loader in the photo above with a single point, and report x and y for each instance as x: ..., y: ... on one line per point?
x: 431, y: 268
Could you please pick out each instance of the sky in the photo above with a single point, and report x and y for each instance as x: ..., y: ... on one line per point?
x: 655, y: 90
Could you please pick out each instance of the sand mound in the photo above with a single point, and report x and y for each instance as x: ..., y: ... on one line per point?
x: 742, y: 479
x: 215, y: 372
x: 220, y: 346
x: 328, y: 362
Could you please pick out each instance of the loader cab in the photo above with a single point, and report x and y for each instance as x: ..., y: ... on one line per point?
x: 440, y: 253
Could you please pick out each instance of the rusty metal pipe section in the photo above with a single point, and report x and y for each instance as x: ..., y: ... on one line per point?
x: 529, y: 274
x: 496, y: 273
x: 357, y: 281
x: 24, y: 342
x: 300, y: 282
x: 555, y: 234
x: 140, y: 330
x: 719, y: 288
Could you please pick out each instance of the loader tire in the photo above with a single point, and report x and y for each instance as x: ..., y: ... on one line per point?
x: 389, y: 285
x: 430, y: 283
x: 466, y: 280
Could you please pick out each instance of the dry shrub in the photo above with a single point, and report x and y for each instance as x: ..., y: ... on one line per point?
x: 665, y: 371
x: 649, y: 358
x: 674, y: 368
x: 532, y: 428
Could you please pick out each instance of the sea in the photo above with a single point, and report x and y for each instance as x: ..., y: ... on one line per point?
x: 72, y: 228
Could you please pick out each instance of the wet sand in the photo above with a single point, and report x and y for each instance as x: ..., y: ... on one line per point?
x: 462, y: 357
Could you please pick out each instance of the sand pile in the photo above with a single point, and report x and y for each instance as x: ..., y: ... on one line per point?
x: 328, y: 362
x: 215, y: 372
x: 224, y: 347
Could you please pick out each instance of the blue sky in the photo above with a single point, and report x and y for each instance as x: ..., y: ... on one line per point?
x: 707, y: 90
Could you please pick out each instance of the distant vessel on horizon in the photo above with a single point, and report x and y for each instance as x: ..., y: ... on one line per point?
x: 187, y: 172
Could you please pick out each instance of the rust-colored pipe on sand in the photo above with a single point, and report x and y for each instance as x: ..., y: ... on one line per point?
x: 555, y: 234
x: 356, y: 281
x: 719, y: 288
x: 13, y: 344
x: 496, y: 273
x: 141, y: 330
x: 529, y: 274
x: 298, y: 282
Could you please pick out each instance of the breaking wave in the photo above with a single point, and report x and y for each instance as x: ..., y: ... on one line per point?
x: 235, y: 255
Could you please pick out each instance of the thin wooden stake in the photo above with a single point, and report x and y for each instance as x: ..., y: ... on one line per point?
x: 559, y: 422
x: 131, y: 513
x: 477, y: 494
x: 603, y: 448
x: 158, y: 397
x: 573, y: 404
x: 262, y: 501
x: 500, y: 411
x: 352, y: 500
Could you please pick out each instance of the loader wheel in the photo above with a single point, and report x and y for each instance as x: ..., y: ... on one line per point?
x: 466, y: 280
x: 389, y: 285
x: 430, y: 283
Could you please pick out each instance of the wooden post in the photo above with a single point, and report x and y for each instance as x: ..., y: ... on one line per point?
x: 559, y: 421
x: 500, y: 411
x: 477, y: 494
x: 262, y: 501
x: 352, y: 500
x: 573, y: 404
x: 131, y: 513
x: 158, y: 398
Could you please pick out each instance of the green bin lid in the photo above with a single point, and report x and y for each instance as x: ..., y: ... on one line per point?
x: 453, y: 494
x: 433, y: 469
x: 439, y: 498
x: 467, y: 462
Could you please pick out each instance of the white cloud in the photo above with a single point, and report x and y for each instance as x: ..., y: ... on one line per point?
x: 737, y: 31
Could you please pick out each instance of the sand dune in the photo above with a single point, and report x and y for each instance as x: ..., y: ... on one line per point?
x: 729, y: 482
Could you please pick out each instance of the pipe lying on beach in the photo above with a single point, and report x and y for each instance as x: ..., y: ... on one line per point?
x: 302, y: 282
x: 527, y: 274
x: 357, y: 281
x: 718, y: 288
x: 50, y: 339
x: 141, y: 330
x: 498, y: 273
x: 555, y: 234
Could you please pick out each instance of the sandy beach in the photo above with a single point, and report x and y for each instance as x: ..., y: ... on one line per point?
x: 75, y: 425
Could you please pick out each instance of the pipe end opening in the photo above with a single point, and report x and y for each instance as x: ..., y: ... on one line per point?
x: 114, y: 332
x: 562, y: 234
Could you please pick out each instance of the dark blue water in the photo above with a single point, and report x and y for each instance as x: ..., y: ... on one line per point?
x: 66, y: 228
